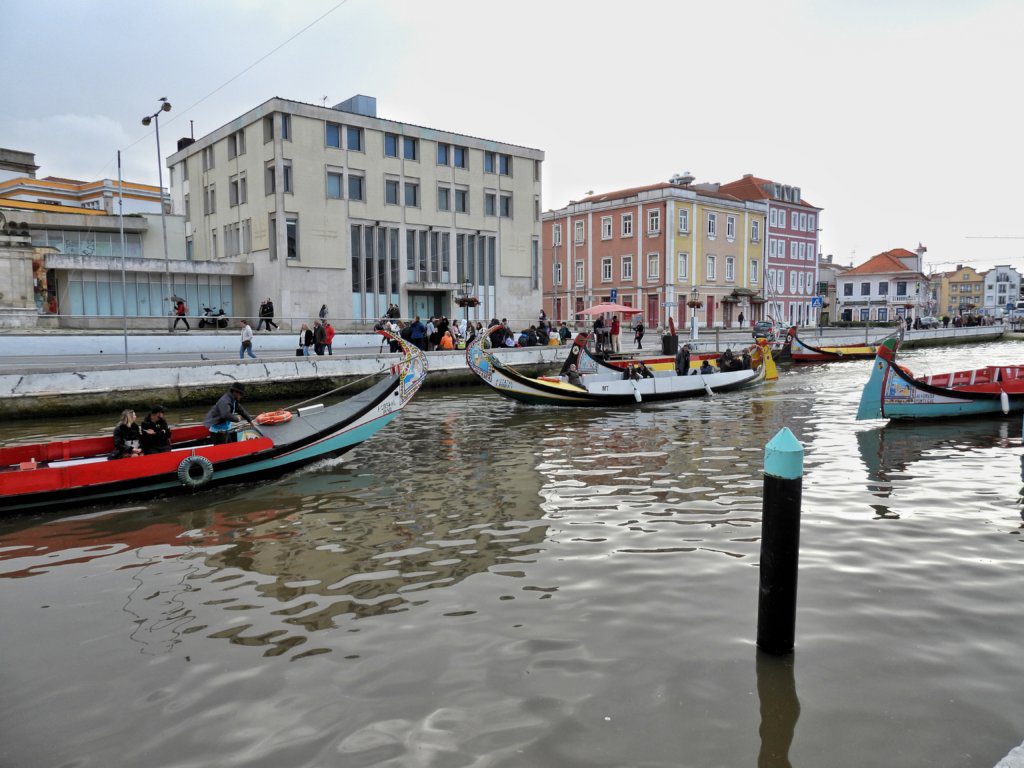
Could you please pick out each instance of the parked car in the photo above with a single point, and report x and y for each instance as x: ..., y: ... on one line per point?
x: 930, y: 322
x: 764, y: 329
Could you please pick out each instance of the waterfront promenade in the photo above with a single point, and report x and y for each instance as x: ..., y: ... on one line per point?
x: 46, y: 375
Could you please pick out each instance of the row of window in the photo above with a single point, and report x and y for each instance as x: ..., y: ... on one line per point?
x: 654, y: 227
x: 801, y: 283
x: 801, y: 222
x: 88, y: 243
x: 654, y: 269
x: 798, y: 250
x: 883, y: 288
x: 351, y: 138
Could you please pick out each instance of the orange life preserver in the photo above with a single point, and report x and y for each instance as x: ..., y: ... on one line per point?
x: 274, y: 417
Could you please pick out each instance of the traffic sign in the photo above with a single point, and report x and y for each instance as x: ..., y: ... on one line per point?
x: 816, y: 301
x: 615, y: 295
x: 1010, y: 306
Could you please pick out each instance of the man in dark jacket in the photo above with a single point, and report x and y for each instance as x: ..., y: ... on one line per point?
x: 418, y: 334
x: 225, y: 412
x: 319, y: 337
x: 156, y: 435
x: 683, y: 361
x: 266, y: 315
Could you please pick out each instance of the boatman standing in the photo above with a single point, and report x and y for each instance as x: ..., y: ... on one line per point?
x: 225, y: 412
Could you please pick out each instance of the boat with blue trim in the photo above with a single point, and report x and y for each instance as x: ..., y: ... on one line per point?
x: 49, y: 476
x: 893, y: 392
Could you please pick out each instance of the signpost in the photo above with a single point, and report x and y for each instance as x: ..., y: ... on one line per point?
x: 615, y: 295
x: 816, y: 301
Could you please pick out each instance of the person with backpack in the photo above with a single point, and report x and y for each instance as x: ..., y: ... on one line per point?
x: 180, y: 315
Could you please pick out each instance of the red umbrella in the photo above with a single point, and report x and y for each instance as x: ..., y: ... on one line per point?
x: 600, y: 309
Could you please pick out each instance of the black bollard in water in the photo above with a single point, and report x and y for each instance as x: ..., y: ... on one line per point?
x: 780, y: 543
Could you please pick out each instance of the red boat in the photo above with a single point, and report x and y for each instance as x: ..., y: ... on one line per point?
x: 47, y: 476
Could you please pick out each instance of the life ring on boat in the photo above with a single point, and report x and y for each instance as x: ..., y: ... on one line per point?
x: 195, y: 471
x: 273, y: 417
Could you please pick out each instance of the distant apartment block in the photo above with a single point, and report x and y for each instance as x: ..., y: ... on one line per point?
x: 336, y: 205
x: 791, y: 263
x: 656, y: 248
x: 1002, y: 289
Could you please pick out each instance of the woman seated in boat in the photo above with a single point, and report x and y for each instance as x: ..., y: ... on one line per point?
x: 645, y: 372
x: 728, y: 361
x: 632, y: 373
x: 706, y: 367
x: 156, y: 435
x: 127, y: 436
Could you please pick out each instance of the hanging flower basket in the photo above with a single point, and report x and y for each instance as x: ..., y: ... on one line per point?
x: 468, y: 301
x: 695, y: 304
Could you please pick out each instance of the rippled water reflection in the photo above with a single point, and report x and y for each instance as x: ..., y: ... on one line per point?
x: 493, y: 585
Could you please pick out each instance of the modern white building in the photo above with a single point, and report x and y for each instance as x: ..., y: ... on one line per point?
x: 889, y: 286
x: 1002, y: 289
x: 336, y: 206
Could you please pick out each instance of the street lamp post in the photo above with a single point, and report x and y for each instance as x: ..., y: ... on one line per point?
x: 466, y: 286
x: 165, y: 106
x: 693, y: 303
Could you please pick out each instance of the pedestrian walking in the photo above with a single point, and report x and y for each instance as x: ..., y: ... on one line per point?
x: 323, y: 312
x: 741, y: 319
x: 638, y: 334
x: 266, y: 315
x: 180, y: 315
x: 319, y: 337
x: 329, y: 338
x: 305, y: 341
x: 246, y: 341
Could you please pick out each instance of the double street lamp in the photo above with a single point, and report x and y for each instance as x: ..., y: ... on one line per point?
x: 165, y: 106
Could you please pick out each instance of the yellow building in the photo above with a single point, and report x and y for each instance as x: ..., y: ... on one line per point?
x: 960, y: 291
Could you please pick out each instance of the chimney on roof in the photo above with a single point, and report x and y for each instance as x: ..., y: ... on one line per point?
x: 359, y: 105
x: 681, y: 180
x: 184, y: 142
x: 748, y: 175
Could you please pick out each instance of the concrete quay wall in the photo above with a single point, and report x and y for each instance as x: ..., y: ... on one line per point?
x: 107, y: 389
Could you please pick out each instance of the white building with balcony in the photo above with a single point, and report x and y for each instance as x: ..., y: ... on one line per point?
x: 889, y: 286
x: 1002, y: 289
x: 336, y: 206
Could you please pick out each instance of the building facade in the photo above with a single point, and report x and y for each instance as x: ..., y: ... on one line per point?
x: 1002, y: 290
x: 791, y: 263
x: 887, y: 287
x: 655, y: 248
x: 828, y: 276
x: 336, y: 206
x: 961, y: 291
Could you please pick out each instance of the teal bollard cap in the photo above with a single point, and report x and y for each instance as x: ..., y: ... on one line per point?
x: 784, y: 456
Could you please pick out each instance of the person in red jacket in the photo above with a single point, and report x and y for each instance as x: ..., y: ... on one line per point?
x: 615, y: 333
x: 329, y: 337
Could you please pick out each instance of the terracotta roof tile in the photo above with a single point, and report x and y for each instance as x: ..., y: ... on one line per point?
x: 751, y: 187
x: 884, y: 262
x: 620, y: 194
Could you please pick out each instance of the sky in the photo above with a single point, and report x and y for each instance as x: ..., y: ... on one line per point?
x: 900, y: 118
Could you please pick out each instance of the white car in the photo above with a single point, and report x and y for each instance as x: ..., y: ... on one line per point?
x: 931, y: 322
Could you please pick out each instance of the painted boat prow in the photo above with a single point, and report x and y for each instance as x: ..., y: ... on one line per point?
x: 871, y: 406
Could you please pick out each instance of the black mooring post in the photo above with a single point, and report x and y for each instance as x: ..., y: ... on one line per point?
x: 780, y: 543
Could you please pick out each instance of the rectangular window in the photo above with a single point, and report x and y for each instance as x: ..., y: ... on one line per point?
x: 489, y: 162
x: 412, y: 194
x: 461, y: 200
x: 606, y: 227
x: 883, y: 288
x: 269, y: 179
x: 213, y: 243
x: 292, y: 236
x: 803, y: 222
x: 390, y: 145
x: 443, y: 154
x: 883, y: 314
x: 579, y: 273
x: 556, y: 234
x: 800, y: 283
x: 792, y: 250
x: 865, y: 289
x: 410, y: 148
x: 208, y: 158
x: 848, y: 289
x: 333, y: 135
x: 460, y: 157
x: 354, y: 138
x: 606, y: 270
x: 794, y: 220
x: 801, y: 251
x: 683, y: 267
x: 534, y: 263
x: 579, y: 232
x: 209, y: 200
x: 865, y: 314
x: 627, y: 225
x: 792, y: 282
x: 753, y: 271
x: 444, y: 202
x: 391, y: 191
x: 505, y: 165
x: 188, y: 210
x: 901, y: 288
x: 711, y: 268
x: 712, y: 225
x: 653, y: 222
x: 684, y: 220
x: 810, y: 222
x: 355, y: 187
x: 773, y: 217
x: 627, y: 267
x: 287, y: 176
x: 286, y: 127
x: 505, y: 209
x: 755, y: 231
x: 653, y: 266
x: 268, y: 129
x: 237, y: 192
x: 490, y: 204
x: 236, y: 144
x: 334, y: 185
x: 730, y: 228
x: 730, y: 268
x: 556, y: 273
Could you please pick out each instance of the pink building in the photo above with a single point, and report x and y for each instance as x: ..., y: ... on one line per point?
x: 791, y: 258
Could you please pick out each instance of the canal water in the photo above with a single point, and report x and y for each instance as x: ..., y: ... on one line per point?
x: 489, y: 584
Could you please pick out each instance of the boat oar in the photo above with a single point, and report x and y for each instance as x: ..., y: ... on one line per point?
x: 706, y: 387
x: 636, y: 391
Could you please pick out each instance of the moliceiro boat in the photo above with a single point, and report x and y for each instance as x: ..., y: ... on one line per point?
x: 893, y: 392
x: 47, y: 476
x: 802, y: 352
x: 603, y: 385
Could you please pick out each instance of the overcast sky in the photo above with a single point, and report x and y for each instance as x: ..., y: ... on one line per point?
x: 901, y: 119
